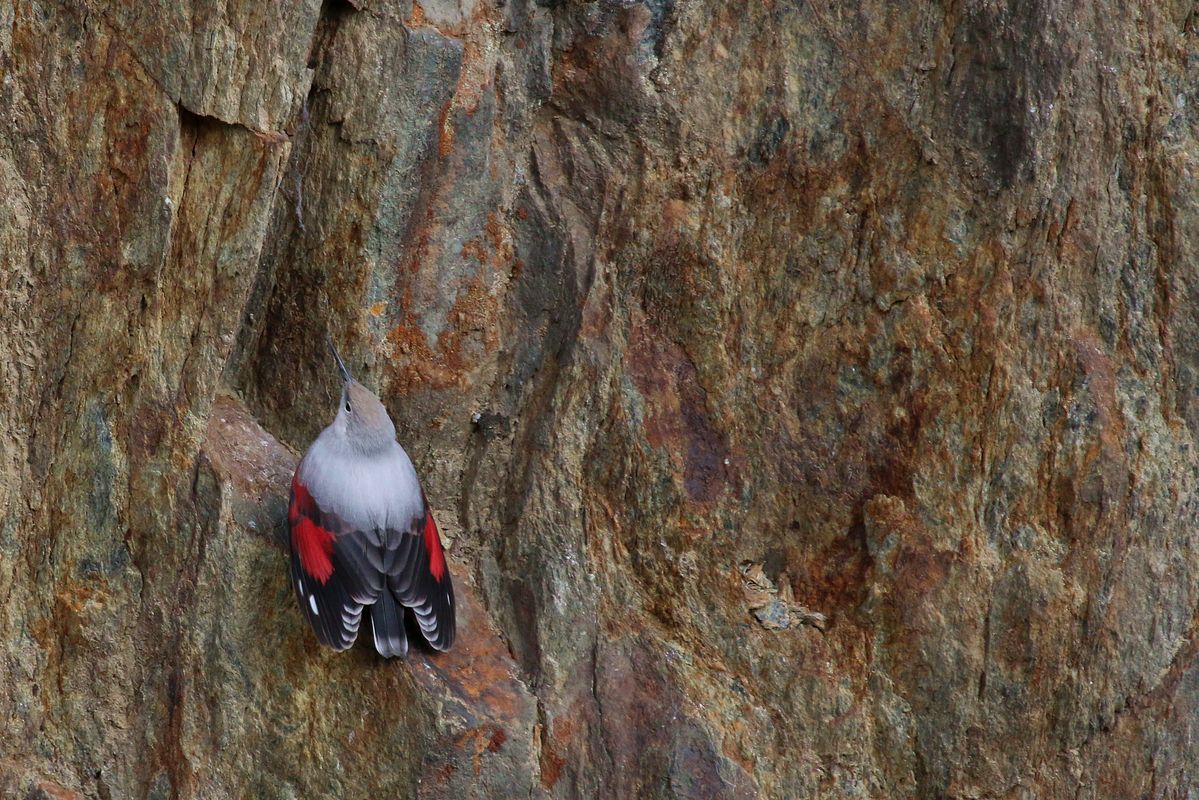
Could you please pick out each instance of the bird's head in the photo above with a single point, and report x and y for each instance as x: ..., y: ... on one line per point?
x: 361, y: 421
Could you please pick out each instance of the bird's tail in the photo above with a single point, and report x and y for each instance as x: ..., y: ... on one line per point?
x: 387, y: 622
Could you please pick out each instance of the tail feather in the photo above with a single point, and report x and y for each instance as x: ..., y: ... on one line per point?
x: 387, y: 622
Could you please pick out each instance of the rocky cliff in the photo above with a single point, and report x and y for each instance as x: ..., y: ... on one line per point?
x: 809, y: 392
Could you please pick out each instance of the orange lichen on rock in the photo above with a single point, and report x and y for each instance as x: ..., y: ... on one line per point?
x: 470, y: 335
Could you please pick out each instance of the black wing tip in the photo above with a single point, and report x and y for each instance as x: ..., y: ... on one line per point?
x: 336, y: 638
x: 443, y: 634
x: 332, y: 614
x: 442, y: 644
x: 444, y: 629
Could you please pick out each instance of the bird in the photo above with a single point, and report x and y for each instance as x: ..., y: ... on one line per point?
x: 362, y: 535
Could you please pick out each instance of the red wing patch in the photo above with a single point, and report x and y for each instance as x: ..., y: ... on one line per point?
x: 312, y: 543
x: 433, y: 546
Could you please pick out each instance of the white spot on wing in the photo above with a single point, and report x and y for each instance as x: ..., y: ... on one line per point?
x: 312, y: 604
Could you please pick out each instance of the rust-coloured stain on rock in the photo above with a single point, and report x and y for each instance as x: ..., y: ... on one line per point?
x: 471, y: 334
x: 677, y: 419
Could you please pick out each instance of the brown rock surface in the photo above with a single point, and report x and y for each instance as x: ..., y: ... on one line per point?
x: 891, y: 307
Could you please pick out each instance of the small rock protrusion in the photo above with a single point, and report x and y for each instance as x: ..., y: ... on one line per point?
x: 774, y: 607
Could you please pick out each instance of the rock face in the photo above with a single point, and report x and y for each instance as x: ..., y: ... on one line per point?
x: 810, y: 392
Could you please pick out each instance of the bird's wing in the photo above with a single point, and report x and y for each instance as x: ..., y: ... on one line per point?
x: 335, y: 569
x: 417, y: 573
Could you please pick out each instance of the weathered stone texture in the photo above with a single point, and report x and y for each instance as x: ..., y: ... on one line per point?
x: 895, y: 301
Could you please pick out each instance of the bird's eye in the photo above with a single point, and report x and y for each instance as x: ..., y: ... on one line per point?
x: 347, y: 408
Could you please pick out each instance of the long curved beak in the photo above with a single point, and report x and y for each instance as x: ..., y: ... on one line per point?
x: 341, y: 365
